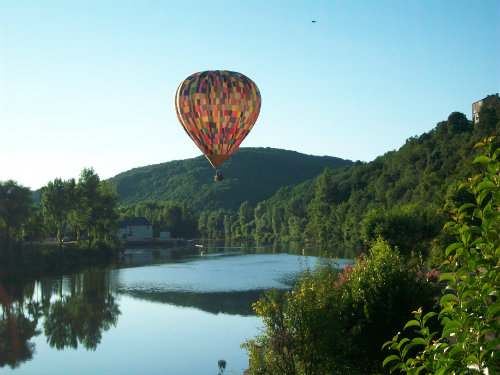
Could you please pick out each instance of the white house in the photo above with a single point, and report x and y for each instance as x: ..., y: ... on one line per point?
x: 135, y: 229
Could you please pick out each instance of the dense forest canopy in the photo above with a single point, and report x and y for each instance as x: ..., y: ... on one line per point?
x: 252, y: 174
x: 404, y: 196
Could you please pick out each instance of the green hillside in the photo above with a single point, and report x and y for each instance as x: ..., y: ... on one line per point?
x: 252, y: 174
x: 404, y: 196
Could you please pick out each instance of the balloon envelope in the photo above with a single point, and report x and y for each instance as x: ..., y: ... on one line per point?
x: 217, y: 109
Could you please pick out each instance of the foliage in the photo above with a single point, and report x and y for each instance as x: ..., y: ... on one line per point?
x: 405, y: 196
x: 70, y: 312
x: 408, y: 227
x: 85, y: 208
x: 334, y: 322
x: 470, y: 308
x: 15, y: 210
x: 252, y: 174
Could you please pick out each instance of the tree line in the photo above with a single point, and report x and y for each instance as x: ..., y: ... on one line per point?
x: 405, y: 196
x: 85, y: 210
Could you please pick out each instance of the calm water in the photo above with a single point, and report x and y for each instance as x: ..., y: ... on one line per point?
x: 158, y: 314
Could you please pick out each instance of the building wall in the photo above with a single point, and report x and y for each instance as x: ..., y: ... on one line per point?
x: 137, y: 232
x: 476, y: 107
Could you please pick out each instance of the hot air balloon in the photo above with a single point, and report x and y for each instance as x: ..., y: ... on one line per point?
x: 217, y: 109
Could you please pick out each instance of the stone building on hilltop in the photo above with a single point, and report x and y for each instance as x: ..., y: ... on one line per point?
x: 476, y: 107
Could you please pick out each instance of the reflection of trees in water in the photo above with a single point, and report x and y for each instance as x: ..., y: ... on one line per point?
x: 18, y: 325
x: 83, y: 314
x: 233, y: 303
x: 76, y: 309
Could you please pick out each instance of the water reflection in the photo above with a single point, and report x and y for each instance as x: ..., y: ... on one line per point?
x: 233, y: 303
x: 49, y: 325
x: 81, y: 315
x: 217, y: 282
x: 18, y: 325
x: 74, y: 309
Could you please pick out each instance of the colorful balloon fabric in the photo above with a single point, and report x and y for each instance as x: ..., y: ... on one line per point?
x: 217, y: 109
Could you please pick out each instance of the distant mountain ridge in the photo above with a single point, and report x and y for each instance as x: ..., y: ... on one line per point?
x: 252, y: 174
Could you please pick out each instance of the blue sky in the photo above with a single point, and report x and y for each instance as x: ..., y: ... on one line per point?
x: 92, y: 83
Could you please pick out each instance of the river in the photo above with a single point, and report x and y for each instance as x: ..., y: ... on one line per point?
x: 155, y: 313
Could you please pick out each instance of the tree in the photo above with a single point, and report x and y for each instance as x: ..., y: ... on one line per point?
x: 87, y: 207
x: 33, y: 228
x: 88, y: 192
x: 408, y: 227
x: 15, y: 206
x: 320, y: 207
x: 57, y: 199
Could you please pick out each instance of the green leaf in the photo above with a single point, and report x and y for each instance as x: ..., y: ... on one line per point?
x: 387, y: 343
x: 402, y: 342
x: 441, y: 370
x: 494, y: 342
x: 446, y: 277
x: 452, y: 247
x: 482, y: 159
x: 495, y: 154
x: 493, y: 309
x: 449, y: 224
x: 451, y: 327
x: 492, y: 167
x: 428, y: 316
x: 465, y: 206
x: 472, y: 359
x: 418, y: 341
x: 419, y: 370
x: 448, y: 298
x: 485, y: 185
x: 456, y: 350
x: 412, y: 323
x: 406, y: 348
x: 389, y: 359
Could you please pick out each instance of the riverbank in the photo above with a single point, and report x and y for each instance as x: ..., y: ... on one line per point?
x: 34, y: 259
x: 37, y: 259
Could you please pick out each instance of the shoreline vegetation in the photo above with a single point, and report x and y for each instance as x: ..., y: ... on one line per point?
x: 340, y: 322
x: 36, y: 260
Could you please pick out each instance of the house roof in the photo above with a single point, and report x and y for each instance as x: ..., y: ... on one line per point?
x: 135, y: 221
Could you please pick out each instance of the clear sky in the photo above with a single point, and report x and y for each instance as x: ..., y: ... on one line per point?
x: 92, y: 83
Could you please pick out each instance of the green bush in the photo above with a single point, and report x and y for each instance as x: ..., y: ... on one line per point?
x: 470, y: 309
x: 335, y: 322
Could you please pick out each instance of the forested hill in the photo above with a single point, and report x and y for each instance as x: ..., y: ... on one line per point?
x: 405, y: 196
x: 252, y: 174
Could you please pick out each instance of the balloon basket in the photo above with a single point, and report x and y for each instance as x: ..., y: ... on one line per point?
x: 218, y: 176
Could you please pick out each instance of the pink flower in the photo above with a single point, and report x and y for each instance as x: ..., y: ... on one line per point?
x: 432, y: 274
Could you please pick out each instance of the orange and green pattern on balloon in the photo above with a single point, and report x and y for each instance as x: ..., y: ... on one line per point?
x: 217, y: 109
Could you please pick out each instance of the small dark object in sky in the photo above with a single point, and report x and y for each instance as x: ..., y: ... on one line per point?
x: 313, y: 21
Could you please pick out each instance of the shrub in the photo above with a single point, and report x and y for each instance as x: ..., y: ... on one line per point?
x: 470, y: 310
x: 335, y: 322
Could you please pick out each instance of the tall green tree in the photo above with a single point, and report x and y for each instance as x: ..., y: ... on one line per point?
x: 320, y: 207
x: 15, y: 208
x: 57, y: 199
